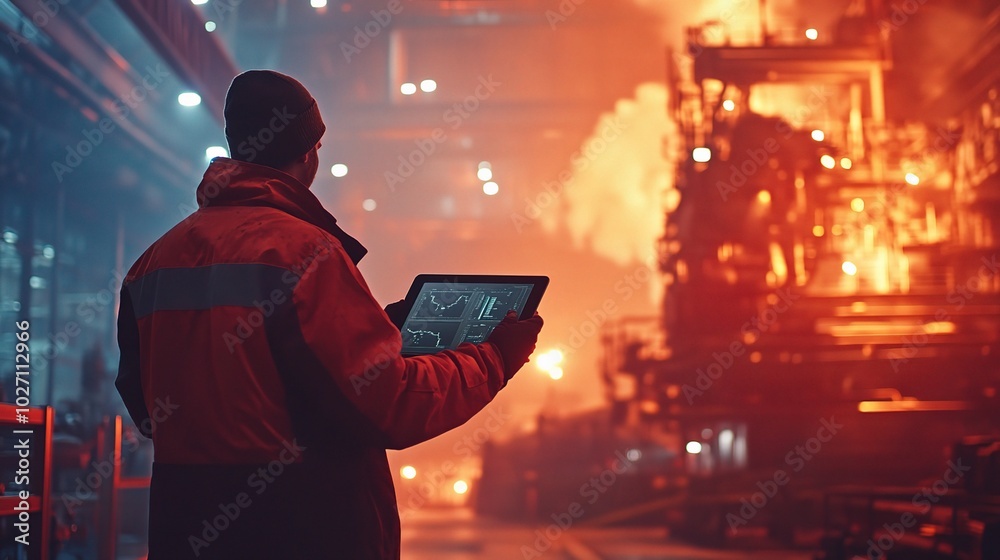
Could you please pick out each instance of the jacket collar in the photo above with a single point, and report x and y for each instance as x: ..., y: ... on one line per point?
x: 228, y: 182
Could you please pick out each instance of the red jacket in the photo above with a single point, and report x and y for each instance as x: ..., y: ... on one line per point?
x: 271, y: 381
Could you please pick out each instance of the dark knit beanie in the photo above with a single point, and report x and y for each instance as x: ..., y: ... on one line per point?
x: 271, y: 119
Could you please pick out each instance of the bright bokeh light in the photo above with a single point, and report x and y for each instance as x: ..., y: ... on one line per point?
x: 827, y: 161
x: 849, y: 268
x: 729, y: 105
x: 846, y: 163
x: 484, y: 173
x: 764, y: 197
x: 210, y: 26
x: 693, y: 447
x: 633, y: 454
x: 368, y: 205
x: 317, y: 3
x: 199, y: 2
x: 339, y: 170
x: 408, y: 88
x: 857, y: 205
x: 701, y: 155
x: 460, y: 487
x: 189, y: 99
x: 408, y: 472
x: 491, y: 188
x: 556, y: 372
x: 549, y: 359
x: 428, y: 86
x: 485, y: 164
x: 818, y: 231
x: 818, y: 135
x: 912, y: 179
x: 812, y: 34
x: 215, y: 151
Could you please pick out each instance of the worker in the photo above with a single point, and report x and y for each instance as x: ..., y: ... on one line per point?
x: 269, y: 379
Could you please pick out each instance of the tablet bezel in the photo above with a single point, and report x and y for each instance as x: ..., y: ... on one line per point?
x: 538, y: 285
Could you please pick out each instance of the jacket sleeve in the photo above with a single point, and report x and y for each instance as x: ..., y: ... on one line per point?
x: 409, y: 400
x: 129, y: 381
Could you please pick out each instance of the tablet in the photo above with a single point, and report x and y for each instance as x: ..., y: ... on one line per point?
x: 445, y: 310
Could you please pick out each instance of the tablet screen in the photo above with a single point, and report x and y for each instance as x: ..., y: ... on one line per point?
x: 446, y: 314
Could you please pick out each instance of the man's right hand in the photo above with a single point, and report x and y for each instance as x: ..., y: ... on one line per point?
x: 515, y: 340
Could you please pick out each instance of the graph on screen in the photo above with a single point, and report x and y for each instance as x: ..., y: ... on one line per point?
x: 447, y: 314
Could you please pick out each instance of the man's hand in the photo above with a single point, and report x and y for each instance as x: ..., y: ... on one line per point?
x: 515, y: 340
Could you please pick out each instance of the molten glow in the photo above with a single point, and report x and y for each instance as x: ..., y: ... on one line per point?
x: 189, y: 99
x: 428, y: 86
x: 408, y: 88
x: 818, y: 135
x: 338, y: 170
x: 827, y: 161
x: 849, y: 268
x: 484, y: 173
x: 549, y: 361
x: 701, y: 155
x: 491, y: 188
x: 812, y: 34
x: 729, y: 105
x: 693, y: 447
x: 460, y: 487
x: 408, y: 472
x: 912, y: 179
x: 857, y: 205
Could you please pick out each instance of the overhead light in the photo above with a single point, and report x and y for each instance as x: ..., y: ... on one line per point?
x: 199, y: 2
x: 428, y: 86
x: 491, y: 188
x: 912, y: 179
x: 317, y: 3
x: 818, y: 135
x: 484, y: 174
x: 338, y: 170
x: 701, y: 154
x: 828, y: 162
x: 812, y: 34
x: 729, y: 105
x: 408, y: 88
x: 849, y: 268
x: 215, y: 151
x: 189, y: 99
x: 460, y: 487
x: 693, y: 447
x: 408, y: 472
